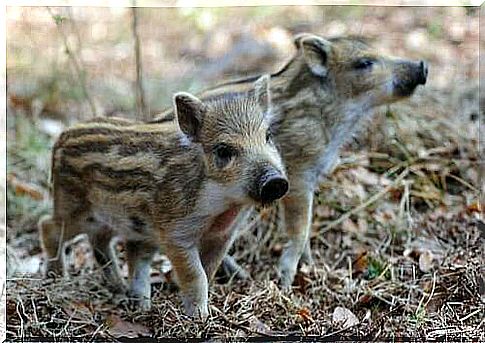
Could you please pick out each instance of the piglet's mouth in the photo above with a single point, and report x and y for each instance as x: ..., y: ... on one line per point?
x: 223, y: 221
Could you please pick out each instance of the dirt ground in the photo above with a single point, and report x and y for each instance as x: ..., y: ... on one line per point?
x: 398, y: 232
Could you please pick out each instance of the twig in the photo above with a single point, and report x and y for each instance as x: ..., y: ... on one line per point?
x: 362, y: 206
x: 471, y: 314
x: 141, y: 111
x: 464, y: 183
x: 77, y: 64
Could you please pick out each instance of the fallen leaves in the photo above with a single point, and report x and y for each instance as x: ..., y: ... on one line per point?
x: 80, y: 311
x: 305, y: 314
x: 344, y: 318
x: 303, y: 278
x: 426, y: 261
x: 258, y: 326
x: 475, y: 207
x: 427, y: 251
x: 360, y: 264
x: 22, y: 188
x: 122, y: 328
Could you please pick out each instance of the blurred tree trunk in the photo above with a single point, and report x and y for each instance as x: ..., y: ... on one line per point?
x: 141, y: 111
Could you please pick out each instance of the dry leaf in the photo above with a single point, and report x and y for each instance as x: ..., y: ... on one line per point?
x: 475, y: 208
x: 323, y: 211
x: 426, y: 261
x: 121, y: 328
x: 80, y: 311
x: 364, y: 176
x: 304, y: 313
x: 431, y: 248
x: 22, y: 188
x: 365, y: 299
x: 265, y: 213
x: 362, y: 225
x: 260, y: 327
x: 344, y: 318
x: 360, y: 264
x: 353, y: 190
x: 302, y: 281
x: 348, y: 225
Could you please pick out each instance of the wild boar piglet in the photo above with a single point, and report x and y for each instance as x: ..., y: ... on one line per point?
x: 321, y: 97
x: 179, y: 186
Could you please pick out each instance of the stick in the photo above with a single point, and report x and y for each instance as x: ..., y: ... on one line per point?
x: 362, y: 206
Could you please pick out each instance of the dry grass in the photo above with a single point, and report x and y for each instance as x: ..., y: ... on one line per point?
x: 401, y: 301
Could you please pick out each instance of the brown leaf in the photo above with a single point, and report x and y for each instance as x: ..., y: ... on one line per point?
x: 365, y: 299
x: 22, y: 188
x: 304, y: 313
x: 19, y: 102
x: 362, y: 225
x: 360, y: 264
x: 302, y: 278
x: 395, y: 194
x: 121, y: 328
x: 80, y: 311
x: 323, y: 211
x: 475, y: 208
x: 265, y: 213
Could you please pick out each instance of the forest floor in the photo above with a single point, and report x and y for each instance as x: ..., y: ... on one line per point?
x: 398, y: 232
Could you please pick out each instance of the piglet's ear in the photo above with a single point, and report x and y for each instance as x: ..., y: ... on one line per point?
x: 315, y: 51
x: 190, y: 112
x: 262, y: 91
x: 298, y: 38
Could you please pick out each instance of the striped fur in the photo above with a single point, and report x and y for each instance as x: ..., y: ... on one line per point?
x: 321, y: 98
x: 160, y: 185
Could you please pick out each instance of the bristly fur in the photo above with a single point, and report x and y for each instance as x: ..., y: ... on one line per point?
x: 320, y: 100
x: 163, y: 185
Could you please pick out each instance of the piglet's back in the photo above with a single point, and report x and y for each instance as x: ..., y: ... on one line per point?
x: 119, y: 161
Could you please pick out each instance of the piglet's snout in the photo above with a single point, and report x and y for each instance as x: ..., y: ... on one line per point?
x: 273, y: 189
x: 422, y: 73
x: 271, y: 185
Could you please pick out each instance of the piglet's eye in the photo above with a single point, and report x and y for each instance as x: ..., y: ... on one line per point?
x: 363, y: 64
x: 269, y: 136
x: 224, y: 153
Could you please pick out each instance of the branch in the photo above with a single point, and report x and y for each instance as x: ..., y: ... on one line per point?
x: 369, y: 201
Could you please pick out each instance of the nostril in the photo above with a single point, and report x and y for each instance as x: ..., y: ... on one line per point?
x: 273, y: 189
x: 424, y: 70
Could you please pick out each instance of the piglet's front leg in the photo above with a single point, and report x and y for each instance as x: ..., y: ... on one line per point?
x: 191, y: 278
